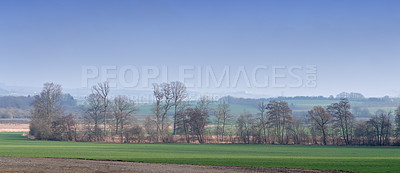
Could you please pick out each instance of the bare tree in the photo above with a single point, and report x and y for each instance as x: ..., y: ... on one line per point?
x: 163, y: 102
x: 179, y: 94
x: 218, y: 116
x: 103, y: 90
x: 122, y: 108
x: 362, y: 132
x: 280, y: 118
x: 261, y: 107
x: 297, y: 131
x: 70, y: 126
x: 63, y: 128
x: 93, y: 115
x: 46, y: 108
x: 343, y: 119
x: 198, y: 118
x: 157, y: 109
x: 222, y: 114
x: 183, y: 123
x: 320, y: 119
x: 245, y: 124
x: 381, y: 126
x: 226, y: 116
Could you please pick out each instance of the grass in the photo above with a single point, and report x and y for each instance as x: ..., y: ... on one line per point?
x: 359, y: 159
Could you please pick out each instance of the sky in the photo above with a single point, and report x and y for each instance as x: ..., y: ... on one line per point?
x: 353, y: 45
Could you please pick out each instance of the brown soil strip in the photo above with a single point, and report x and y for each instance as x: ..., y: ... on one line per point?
x: 33, y: 165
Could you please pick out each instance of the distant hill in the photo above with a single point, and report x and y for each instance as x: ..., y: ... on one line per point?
x: 12, y: 105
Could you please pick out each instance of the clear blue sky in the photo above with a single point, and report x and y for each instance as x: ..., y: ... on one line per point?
x: 355, y: 44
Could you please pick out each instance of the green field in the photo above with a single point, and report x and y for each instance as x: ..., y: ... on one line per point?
x: 300, y: 106
x: 359, y: 159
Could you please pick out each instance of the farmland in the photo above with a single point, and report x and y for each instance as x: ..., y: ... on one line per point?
x: 358, y: 159
x: 299, y: 106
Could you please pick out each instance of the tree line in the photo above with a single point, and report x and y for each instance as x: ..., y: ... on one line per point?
x: 175, y: 119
